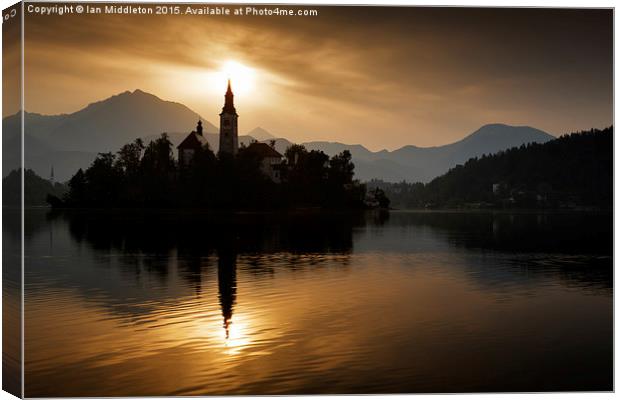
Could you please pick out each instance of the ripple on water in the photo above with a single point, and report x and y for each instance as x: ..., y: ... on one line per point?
x: 410, y: 305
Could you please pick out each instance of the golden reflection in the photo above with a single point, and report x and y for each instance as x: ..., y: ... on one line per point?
x: 236, y: 335
x: 266, y: 335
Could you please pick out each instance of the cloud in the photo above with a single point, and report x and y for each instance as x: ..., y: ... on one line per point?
x: 381, y: 76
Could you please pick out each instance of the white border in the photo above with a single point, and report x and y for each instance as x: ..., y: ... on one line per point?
x: 475, y: 3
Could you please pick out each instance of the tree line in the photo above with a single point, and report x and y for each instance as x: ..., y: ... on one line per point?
x: 575, y: 170
x: 140, y: 175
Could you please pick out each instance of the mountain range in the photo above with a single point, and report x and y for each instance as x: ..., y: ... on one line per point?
x: 71, y: 141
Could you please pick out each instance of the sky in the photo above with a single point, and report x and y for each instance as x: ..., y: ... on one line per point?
x: 383, y: 77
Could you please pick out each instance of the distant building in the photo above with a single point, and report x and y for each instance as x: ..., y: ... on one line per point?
x: 271, y: 160
x: 229, y: 138
x: 188, y: 147
x: 500, y: 188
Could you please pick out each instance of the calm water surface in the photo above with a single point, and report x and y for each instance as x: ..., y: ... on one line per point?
x: 166, y: 304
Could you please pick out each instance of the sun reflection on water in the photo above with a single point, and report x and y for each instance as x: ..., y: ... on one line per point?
x: 235, y: 337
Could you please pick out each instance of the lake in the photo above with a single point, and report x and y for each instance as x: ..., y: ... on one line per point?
x: 163, y: 303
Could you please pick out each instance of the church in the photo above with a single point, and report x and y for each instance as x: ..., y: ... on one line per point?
x: 271, y: 160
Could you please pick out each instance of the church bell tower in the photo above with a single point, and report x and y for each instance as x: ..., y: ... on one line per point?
x: 229, y: 138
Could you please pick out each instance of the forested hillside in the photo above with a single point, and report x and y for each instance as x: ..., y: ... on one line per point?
x: 572, y: 171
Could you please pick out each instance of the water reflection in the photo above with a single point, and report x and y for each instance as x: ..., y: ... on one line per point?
x: 11, y: 302
x: 400, y: 302
x: 227, y: 284
x: 156, y: 243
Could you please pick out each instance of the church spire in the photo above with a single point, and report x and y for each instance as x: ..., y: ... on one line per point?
x: 229, y: 137
x: 229, y: 106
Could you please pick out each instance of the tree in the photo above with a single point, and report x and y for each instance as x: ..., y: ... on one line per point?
x: 104, y: 181
x: 197, y: 181
x: 129, y: 156
x: 158, y: 172
x: 77, y: 189
x: 341, y: 168
x: 381, y: 198
x: 128, y: 160
x: 575, y: 169
x: 158, y: 156
x: 148, y: 176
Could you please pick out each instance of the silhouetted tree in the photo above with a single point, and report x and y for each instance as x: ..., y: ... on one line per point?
x: 129, y: 156
x: 197, y: 181
x: 148, y: 176
x: 128, y: 160
x: 158, y: 172
x: 254, y: 190
x: 77, y: 189
x: 104, y: 181
x: 341, y: 168
x: 381, y: 198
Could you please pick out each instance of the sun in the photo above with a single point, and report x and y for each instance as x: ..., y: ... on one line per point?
x: 242, y: 77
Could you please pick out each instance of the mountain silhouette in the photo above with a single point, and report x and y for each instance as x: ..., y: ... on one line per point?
x: 259, y: 133
x: 422, y: 164
x: 426, y: 163
x: 72, y: 141
x: 108, y: 124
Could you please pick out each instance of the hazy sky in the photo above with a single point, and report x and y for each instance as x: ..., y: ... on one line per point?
x: 382, y: 77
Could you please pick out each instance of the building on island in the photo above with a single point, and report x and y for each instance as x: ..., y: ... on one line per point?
x: 188, y: 147
x: 229, y: 138
x: 271, y: 161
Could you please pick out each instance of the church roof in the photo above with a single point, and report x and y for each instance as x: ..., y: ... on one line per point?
x: 229, y: 105
x: 192, y: 141
x: 263, y: 150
